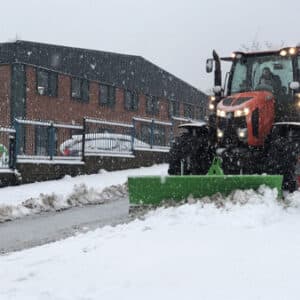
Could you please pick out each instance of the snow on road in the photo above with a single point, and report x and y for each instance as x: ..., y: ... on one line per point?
x: 19, y: 201
x: 195, y: 251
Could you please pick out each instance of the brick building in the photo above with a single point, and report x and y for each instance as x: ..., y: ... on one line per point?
x: 64, y: 84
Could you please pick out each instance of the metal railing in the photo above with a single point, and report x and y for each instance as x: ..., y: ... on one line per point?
x: 105, y: 138
x: 152, y: 134
x: 47, y: 141
x: 7, y: 148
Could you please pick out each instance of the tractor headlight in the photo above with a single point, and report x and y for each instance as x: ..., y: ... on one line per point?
x: 211, y: 106
x: 292, y: 51
x: 212, y: 98
x: 242, y: 112
x: 221, y: 113
x: 242, y: 133
x: 220, y: 133
x: 283, y: 52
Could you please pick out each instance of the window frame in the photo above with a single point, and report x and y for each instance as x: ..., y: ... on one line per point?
x: 188, y: 111
x: 110, y: 95
x: 50, y: 90
x: 134, y: 100
x: 177, y: 110
x: 153, y: 108
x: 83, y: 97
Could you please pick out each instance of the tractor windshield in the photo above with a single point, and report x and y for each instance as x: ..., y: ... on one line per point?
x: 271, y: 72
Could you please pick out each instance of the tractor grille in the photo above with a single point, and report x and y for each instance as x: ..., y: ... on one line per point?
x: 231, y: 123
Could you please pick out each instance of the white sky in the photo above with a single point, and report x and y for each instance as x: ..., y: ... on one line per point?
x: 178, y: 35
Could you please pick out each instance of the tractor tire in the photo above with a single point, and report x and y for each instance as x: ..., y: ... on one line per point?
x: 282, y: 158
x: 194, y: 152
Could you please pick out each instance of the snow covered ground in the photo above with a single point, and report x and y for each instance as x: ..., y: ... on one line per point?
x: 19, y: 201
x: 247, y: 250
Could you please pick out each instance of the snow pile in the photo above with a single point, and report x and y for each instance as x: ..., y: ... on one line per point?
x: 81, y: 195
x: 19, y: 201
x: 247, y: 250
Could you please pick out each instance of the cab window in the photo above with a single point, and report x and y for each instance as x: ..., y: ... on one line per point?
x: 239, y: 78
x: 298, y: 70
x: 281, y: 70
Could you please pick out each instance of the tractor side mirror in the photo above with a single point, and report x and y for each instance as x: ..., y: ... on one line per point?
x: 294, y: 85
x: 209, y: 65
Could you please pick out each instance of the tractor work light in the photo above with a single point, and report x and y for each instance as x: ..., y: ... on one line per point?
x: 220, y: 133
x: 292, y: 51
x: 211, y: 106
x: 283, y: 52
x: 241, y: 112
x: 221, y: 113
x: 242, y: 133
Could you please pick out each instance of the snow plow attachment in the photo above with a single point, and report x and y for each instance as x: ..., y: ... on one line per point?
x: 152, y: 190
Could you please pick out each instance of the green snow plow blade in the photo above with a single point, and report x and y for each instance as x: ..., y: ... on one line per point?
x: 152, y: 190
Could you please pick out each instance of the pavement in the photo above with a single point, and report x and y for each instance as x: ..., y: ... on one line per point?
x: 48, y: 227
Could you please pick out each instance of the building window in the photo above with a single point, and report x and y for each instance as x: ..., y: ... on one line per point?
x: 46, y: 83
x: 80, y: 89
x: 131, y: 100
x: 174, y: 109
x: 188, y: 111
x: 198, y: 113
x: 152, y: 105
x: 159, y: 135
x: 107, y: 95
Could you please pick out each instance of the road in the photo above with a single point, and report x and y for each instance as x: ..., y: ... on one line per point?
x: 49, y: 227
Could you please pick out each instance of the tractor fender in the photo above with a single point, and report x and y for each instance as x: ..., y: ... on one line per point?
x: 193, y: 125
x: 295, y: 125
x: 287, y: 126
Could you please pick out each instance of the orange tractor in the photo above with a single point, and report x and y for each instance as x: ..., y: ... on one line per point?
x: 253, y: 122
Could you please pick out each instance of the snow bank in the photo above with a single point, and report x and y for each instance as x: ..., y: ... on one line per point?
x: 23, y: 200
x: 241, y: 249
x: 81, y: 195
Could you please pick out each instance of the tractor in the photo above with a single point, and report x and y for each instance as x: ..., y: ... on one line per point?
x: 253, y: 119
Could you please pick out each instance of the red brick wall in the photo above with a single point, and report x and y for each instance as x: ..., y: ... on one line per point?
x: 67, y: 110
x: 5, y: 76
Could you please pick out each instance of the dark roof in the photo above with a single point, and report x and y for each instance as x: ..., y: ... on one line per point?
x: 126, y: 71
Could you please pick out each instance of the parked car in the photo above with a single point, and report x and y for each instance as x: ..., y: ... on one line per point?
x: 97, y: 143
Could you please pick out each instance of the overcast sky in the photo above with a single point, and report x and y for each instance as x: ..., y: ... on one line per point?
x: 176, y: 35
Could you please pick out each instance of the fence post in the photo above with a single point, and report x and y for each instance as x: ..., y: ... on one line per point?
x: 51, y: 141
x: 12, y: 151
x: 172, y: 131
x: 17, y: 142
x: 83, y: 140
x: 132, y: 134
x: 152, y: 134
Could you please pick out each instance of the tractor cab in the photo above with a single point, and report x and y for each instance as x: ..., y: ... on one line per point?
x: 260, y: 89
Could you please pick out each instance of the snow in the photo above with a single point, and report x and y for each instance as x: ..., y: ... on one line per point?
x: 248, y: 249
x: 23, y: 200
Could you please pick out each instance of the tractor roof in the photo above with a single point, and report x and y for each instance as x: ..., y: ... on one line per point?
x: 261, y: 53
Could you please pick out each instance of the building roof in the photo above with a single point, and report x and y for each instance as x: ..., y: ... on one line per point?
x: 126, y: 71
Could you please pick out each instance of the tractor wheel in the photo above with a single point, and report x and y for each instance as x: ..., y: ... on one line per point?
x: 191, y: 152
x: 282, y: 158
